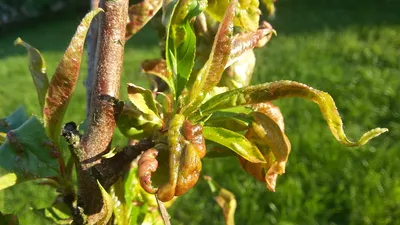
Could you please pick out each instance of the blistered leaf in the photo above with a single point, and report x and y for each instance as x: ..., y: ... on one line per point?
x: 246, y: 41
x: 158, y: 67
x: 225, y: 199
x: 63, y: 82
x: 283, y: 89
x: 142, y: 98
x: 181, y: 39
x: 211, y: 72
x: 247, y: 13
x: 139, y: 14
x: 108, y: 205
x: 29, y: 153
x: 37, y: 67
x: 171, y: 170
x: 234, y: 141
x: 14, y: 120
x: 269, y: 133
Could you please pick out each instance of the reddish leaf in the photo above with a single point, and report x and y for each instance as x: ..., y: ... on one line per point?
x: 63, y: 83
x: 139, y: 14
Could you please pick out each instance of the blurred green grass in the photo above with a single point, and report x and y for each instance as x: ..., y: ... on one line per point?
x: 350, y: 49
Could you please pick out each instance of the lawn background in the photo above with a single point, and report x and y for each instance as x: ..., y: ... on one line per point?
x: 350, y: 49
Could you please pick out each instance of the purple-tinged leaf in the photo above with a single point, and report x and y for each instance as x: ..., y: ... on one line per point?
x: 37, y: 67
x: 64, y: 80
x: 243, y: 42
x: 139, y: 14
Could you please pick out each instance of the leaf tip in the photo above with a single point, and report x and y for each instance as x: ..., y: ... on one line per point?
x: 18, y: 41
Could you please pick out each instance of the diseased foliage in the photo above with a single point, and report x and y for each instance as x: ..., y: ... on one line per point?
x: 209, y: 110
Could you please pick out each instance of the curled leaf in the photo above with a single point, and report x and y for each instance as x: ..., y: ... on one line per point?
x: 211, y: 72
x: 268, y: 133
x: 234, y: 141
x: 37, y: 67
x: 171, y: 170
x: 225, y: 199
x: 64, y: 80
x: 246, y: 41
x: 283, y: 89
x: 143, y: 99
x: 139, y: 14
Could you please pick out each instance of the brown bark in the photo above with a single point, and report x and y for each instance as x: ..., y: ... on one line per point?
x: 101, y: 121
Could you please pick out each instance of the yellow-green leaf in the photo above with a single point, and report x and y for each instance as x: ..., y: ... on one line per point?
x: 234, y: 141
x: 7, y: 180
x: 108, y: 204
x: 247, y: 13
x: 37, y: 67
x: 225, y: 199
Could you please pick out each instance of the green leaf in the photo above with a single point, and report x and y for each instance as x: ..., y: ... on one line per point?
x: 143, y: 99
x: 108, y: 204
x: 37, y: 67
x: 229, y: 120
x: 29, y: 153
x: 211, y: 72
x: 225, y: 199
x: 13, y: 121
x: 15, y: 198
x: 181, y: 40
x: 283, y: 89
x: 139, y: 14
x: 64, y: 80
x: 247, y: 13
x: 234, y: 141
x: 30, y: 216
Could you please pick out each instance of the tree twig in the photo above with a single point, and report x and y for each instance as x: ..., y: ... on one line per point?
x: 101, y: 122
